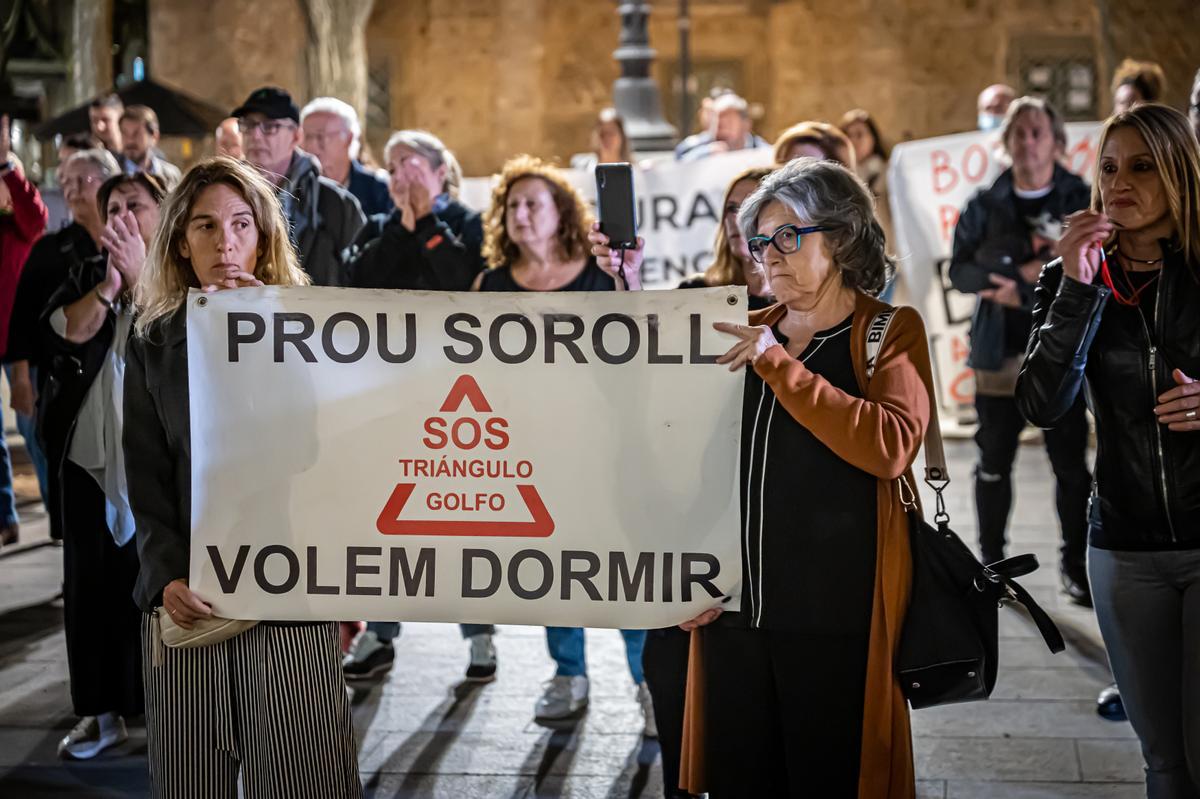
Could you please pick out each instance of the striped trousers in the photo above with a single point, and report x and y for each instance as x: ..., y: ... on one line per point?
x: 269, y: 704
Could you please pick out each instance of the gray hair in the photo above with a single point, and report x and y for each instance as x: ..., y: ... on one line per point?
x: 827, y: 193
x: 430, y: 148
x: 1020, y: 106
x: 98, y: 159
x: 340, y: 109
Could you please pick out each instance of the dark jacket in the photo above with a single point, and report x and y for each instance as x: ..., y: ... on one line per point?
x: 324, y: 219
x: 992, y: 238
x: 1146, y: 494
x: 158, y: 455
x: 71, y: 368
x: 442, y: 253
x: 49, y: 264
x: 370, y: 190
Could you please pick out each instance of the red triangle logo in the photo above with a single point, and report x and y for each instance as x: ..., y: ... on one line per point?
x: 466, y: 388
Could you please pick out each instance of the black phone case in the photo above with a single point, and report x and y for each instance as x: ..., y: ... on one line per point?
x: 615, y: 203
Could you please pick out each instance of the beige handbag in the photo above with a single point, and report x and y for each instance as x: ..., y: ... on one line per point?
x: 204, y: 632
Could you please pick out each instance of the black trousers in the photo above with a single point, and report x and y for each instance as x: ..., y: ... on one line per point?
x: 103, y: 626
x: 998, y: 436
x: 665, y: 663
x: 783, y: 713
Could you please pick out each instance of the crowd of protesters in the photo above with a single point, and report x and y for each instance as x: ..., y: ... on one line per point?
x: 1086, y: 300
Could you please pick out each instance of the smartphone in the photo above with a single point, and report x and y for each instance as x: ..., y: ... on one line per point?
x: 614, y: 200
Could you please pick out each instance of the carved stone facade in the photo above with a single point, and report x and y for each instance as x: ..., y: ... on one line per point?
x: 498, y: 77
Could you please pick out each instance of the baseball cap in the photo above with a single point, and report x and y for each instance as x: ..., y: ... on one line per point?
x: 270, y: 101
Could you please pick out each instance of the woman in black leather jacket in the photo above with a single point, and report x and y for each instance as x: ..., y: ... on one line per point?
x: 1120, y: 314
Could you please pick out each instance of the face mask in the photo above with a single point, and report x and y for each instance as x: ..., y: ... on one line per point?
x: 989, y: 121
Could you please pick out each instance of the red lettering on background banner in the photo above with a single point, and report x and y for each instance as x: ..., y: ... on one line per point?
x: 945, y: 178
x: 465, y: 434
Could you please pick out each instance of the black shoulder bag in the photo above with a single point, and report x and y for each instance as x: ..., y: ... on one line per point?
x: 950, y: 642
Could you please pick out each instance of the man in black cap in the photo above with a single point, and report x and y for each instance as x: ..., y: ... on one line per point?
x: 324, y: 218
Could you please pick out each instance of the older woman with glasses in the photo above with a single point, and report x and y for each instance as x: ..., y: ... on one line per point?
x: 799, y: 693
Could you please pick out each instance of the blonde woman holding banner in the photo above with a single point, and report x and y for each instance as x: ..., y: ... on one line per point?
x: 267, y: 705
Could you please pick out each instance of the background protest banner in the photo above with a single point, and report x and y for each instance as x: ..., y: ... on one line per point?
x: 929, y: 182
x: 552, y: 458
x: 679, y: 208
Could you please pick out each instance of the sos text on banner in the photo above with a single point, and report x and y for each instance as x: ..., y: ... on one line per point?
x: 553, y: 459
x: 678, y: 209
x: 929, y: 182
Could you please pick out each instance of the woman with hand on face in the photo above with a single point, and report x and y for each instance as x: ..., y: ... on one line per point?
x: 1118, y: 315
x: 267, y: 706
x: 88, y: 321
x: 430, y: 241
x: 799, y: 696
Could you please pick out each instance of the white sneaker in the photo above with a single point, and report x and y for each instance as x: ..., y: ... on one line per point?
x: 650, y: 730
x: 482, y: 667
x: 564, y: 697
x: 88, y: 739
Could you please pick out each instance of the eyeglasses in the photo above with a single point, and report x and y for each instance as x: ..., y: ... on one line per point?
x: 268, y: 128
x: 785, y: 240
x: 78, y: 183
x: 318, y: 138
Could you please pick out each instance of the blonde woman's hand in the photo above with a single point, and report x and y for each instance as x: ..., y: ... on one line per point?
x: 183, y: 605
x: 610, y: 260
x: 753, y: 341
x: 233, y: 280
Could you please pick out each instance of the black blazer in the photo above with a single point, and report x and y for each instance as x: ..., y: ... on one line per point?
x: 370, y: 190
x: 70, y: 368
x: 158, y: 455
x: 992, y: 238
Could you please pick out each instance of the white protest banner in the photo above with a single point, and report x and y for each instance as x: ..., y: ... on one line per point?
x: 537, y: 458
x: 679, y: 208
x: 929, y: 182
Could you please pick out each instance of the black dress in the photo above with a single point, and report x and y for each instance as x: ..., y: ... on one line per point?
x: 665, y: 658
x: 100, y: 619
x: 592, y: 278
x: 786, y: 676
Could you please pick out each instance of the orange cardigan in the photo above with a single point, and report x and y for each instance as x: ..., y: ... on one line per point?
x: 880, y: 434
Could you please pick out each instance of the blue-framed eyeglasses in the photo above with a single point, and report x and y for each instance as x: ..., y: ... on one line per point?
x: 785, y: 240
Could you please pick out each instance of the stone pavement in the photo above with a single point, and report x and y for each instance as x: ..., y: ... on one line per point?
x: 423, y: 734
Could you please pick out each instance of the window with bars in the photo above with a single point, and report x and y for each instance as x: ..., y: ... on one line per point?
x: 1062, y: 69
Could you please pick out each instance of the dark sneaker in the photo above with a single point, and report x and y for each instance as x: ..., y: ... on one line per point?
x: 1109, y: 704
x: 482, y: 667
x: 369, y: 658
x: 1076, y: 590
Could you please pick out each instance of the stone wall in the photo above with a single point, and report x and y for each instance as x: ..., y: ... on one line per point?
x: 221, y: 50
x: 498, y: 77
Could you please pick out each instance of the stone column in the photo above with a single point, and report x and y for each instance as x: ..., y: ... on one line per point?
x: 336, y: 51
x: 90, y: 47
x: 635, y: 94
